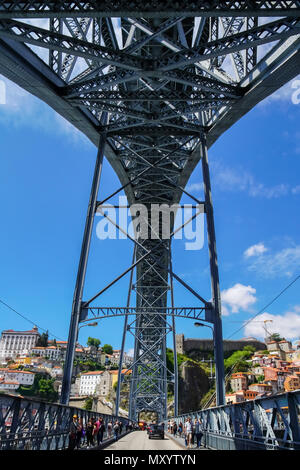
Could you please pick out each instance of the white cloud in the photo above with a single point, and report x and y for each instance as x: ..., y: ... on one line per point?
x: 296, y: 189
x: 25, y: 110
x: 255, y: 250
x: 236, y: 298
x: 194, y: 187
x: 285, y: 262
x: 287, y: 324
x: 268, y: 192
x: 241, y: 180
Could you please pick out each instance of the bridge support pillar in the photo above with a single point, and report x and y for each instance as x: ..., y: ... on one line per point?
x: 214, y: 274
x: 77, y: 299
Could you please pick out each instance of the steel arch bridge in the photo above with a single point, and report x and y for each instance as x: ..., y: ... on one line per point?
x: 152, y: 84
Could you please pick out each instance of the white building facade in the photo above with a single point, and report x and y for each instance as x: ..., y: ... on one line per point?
x: 104, y: 385
x: 14, y: 343
x: 51, y: 352
x: 21, y: 376
x: 89, y: 381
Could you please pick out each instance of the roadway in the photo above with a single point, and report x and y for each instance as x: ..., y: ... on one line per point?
x: 138, y: 440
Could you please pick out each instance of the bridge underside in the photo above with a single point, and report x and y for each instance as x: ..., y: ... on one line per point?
x: 153, y: 89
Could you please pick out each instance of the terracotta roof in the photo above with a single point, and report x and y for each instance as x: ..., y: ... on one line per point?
x: 94, y: 372
x: 12, y: 371
x: 10, y: 382
x: 123, y: 371
x: 260, y: 385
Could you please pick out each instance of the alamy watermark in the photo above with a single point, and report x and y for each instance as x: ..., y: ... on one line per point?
x: 2, y: 92
x: 296, y: 93
x: 155, y: 222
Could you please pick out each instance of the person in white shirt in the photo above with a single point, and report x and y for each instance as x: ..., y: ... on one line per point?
x: 188, y: 432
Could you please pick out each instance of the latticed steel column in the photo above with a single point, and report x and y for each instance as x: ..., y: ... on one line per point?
x: 149, y: 375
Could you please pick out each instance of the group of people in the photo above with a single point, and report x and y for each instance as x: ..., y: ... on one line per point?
x: 191, y: 431
x: 92, y: 433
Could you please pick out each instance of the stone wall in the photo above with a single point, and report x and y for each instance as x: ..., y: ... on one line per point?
x: 193, y: 385
x: 184, y: 346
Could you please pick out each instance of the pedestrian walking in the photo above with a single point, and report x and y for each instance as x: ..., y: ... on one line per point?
x: 96, y: 429
x: 175, y: 429
x: 199, y: 432
x: 121, y: 427
x: 116, y: 430
x: 89, y: 432
x: 79, y: 433
x: 109, y: 429
x: 194, y: 431
x: 73, y: 433
x: 188, y: 433
x: 180, y: 429
x: 101, y: 431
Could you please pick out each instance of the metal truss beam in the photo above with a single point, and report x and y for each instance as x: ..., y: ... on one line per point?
x: 71, y: 45
x: 275, y: 31
x: 104, y: 312
x: 141, y: 9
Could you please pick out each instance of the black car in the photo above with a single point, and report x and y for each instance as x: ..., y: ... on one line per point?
x: 156, y: 430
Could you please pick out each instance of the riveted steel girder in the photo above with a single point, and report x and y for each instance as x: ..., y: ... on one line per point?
x: 140, y: 8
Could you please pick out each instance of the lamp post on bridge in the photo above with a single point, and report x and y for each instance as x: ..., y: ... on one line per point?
x: 198, y: 324
x: 79, y: 327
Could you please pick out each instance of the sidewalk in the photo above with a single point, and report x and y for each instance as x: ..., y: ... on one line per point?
x: 181, y: 442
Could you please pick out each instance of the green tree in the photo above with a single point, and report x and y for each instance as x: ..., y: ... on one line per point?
x: 260, y: 378
x: 107, y: 349
x: 249, y: 348
x: 93, y: 342
x: 276, y: 337
x: 88, y: 404
x: 42, y: 387
x: 46, y: 389
x: 43, y: 340
x: 239, y: 360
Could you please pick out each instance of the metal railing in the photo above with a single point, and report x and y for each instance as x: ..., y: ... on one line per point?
x: 264, y: 423
x: 29, y: 424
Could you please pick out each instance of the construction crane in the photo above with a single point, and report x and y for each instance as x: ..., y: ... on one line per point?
x: 267, y: 333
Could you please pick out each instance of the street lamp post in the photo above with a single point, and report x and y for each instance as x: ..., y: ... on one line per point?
x: 95, y: 323
x: 87, y: 324
x: 198, y: 324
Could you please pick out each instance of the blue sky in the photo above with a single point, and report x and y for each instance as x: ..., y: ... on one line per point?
x: 46, y: 170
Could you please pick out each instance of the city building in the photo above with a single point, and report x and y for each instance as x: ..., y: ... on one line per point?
x: 236, y: 397
x: 104, y: 386
x: 75, y: 387
x: 115, y: 358
x: 8, y: 385
x: 238, y: 382
x: 261, y: 388
x: 292, y: 382
x: 23, y: 361
x: 250, y: 394
x: 14, y: 343
x: 21, y: 376
x: 56, y: 371
x: 114, y: 374
x: 89, y: 381
x: 50, y: 352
